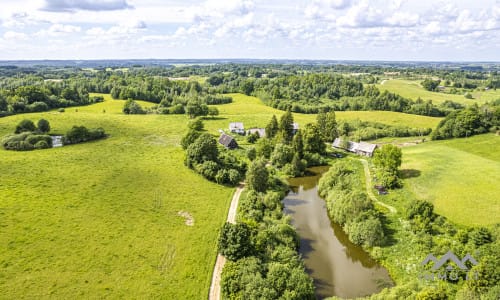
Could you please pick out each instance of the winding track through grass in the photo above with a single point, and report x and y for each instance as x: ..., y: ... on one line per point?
x: 369, y: 191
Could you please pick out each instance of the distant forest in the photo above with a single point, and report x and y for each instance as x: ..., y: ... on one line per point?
x: 297, y: 87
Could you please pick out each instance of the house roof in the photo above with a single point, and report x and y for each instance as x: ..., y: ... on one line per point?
x: 226, y: 140
x: 353, y: 146
x: 236, y: 125
x: 366, y: 147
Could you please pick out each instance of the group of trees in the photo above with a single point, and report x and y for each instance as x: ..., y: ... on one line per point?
x: 292, y: 150
x: 469, y: 121
x: 27, y: 136
x: 81, y: 134
x: 262, y: 247
x: 208, y: 159
x: 349, y: 206
x: 24, y: 97
x: 364, y: 130
x: 387, y: 161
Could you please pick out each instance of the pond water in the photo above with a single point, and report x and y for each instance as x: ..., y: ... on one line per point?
x: 338, y: 267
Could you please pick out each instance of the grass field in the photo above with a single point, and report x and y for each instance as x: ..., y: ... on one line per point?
x: 459, y: 176
x: 99, y: 220
x: 253, y: 113
x: 413, y: 90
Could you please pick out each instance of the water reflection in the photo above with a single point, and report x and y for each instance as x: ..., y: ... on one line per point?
x: 339, y: 267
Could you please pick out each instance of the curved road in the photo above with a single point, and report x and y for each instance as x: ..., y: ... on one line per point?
x: 214, y: 293
x: 369, y: 190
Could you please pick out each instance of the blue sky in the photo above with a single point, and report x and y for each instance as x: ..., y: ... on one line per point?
x: 304, y: 29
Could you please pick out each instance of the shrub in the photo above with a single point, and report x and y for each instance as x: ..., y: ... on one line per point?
x: 25, y: 125
x: 37, y: 107
x: 61, y: 110
x: 80, y: 134
x: 208, y: 169
x: 42, y: 145
x: 43, y: 126
x: 133, y: 108
x: 234, y: 241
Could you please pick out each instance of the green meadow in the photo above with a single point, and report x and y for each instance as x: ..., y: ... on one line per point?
x: 253, y: 113
x: 459, y: 176
x: 100, y: 220
x: 412, y: 89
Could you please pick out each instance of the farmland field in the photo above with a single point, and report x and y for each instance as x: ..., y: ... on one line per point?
x: 459, y: 176
x: 100, y: 219
x: 413, y: 90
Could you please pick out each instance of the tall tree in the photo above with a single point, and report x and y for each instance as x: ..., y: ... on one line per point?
x: 387, y: 160
x: 313, y: 142
x: 286, y: 127
x: 298, y: 144
x: 272, y: 128
x: 257, y: 176
x: 330, y: 132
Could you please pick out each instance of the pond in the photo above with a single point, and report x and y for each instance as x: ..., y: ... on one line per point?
x: 338, y: 267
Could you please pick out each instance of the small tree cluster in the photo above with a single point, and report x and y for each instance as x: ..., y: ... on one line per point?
x: 387, y: 160
x: 349, y: 206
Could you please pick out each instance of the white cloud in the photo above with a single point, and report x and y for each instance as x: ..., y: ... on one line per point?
x: 92, y: 5
x: 15, y: 36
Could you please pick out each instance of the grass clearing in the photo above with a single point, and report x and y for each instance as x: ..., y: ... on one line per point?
x: 459, y: 176
x: 412, y: 89
x: 100, y: 219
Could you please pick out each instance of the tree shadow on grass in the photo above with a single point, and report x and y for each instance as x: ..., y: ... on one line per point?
x: 389, y: 231
x: 214, y: 118
x: 409, y: 173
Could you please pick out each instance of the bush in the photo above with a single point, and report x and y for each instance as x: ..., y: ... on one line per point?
x: 42, y: 145
x: 133, y: 108
x: 37, y: 107
x: 43, y: 126
x: 25, y: 125
x: 61, y: 110
x: 80, y: 134
x: 234, y: 241
x: 208, y: 169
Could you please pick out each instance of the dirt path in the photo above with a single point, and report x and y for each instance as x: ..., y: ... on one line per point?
x: 383, y: 81
x: 369, y: 190
x: 214, y: 293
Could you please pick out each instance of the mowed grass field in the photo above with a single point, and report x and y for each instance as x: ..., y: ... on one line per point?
x: 412, y: 89
x: 100, y: 219
x: 461, y: 177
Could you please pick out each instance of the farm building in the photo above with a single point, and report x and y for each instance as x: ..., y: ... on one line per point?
x: 361, y: 148
x: 236, y: 127
x: 260, y: 131
x: 228, y: 141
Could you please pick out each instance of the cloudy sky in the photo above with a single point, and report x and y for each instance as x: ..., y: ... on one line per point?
x: 302, y: 29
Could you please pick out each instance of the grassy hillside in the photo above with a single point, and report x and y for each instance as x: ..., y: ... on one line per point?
x: 413, y: 90
x: 100, y: 220
x: 254, y: 113
x: 459, y: 176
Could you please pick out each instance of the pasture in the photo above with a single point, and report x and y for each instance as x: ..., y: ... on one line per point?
x: 100, y: 219
x: 459, y: 176
x: 412, y: 89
